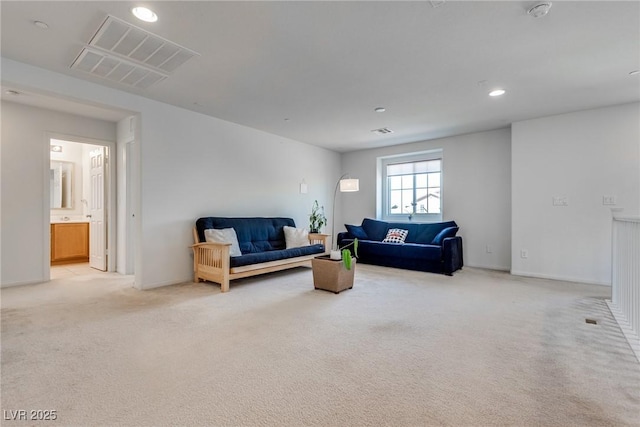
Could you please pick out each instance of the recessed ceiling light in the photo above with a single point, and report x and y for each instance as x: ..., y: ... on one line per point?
x: 497, y: 92
x: 144, y: 14
x: 41, y: 24
x: 634, y: 72
x: 380, y: 110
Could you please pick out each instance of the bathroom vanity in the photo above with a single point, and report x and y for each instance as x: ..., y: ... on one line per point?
x: 69, y: 242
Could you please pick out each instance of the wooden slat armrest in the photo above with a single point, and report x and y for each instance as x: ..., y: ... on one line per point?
x: 210, y: 244
x: 211, y: 262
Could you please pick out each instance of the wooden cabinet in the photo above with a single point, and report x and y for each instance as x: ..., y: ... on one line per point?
x: 69, y: 242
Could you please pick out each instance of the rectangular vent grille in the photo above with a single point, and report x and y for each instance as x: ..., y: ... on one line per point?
x: 382, y: 131
x: 115, y: 69
x: 130, y: 55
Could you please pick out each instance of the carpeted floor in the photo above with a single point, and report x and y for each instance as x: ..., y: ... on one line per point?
x: 401, y: 348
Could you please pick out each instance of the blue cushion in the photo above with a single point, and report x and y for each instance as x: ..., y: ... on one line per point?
x: 254, y: 234
x: 414, y: 229
x: 368, y: 248
x: 430, y: 231
x: 254, y: 258
x: 356, y: 231
x: 419, y: 232
x: 376, y: 230
x: 447, y: 232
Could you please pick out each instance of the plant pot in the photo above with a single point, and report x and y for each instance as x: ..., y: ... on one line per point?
x: 331, y: 275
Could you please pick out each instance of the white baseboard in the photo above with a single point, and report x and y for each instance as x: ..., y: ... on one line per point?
x: 560, y: 278
x: 488, y: 267
x: 13, y: 284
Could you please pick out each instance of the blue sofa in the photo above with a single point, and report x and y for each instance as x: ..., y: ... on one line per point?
x: 432, y: 247
x: 262, y: 245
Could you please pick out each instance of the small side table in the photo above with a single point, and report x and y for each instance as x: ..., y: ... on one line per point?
x: 331, y: 275
x: 317, y: 238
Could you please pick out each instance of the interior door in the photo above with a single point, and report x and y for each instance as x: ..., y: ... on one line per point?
x: 97, y: 224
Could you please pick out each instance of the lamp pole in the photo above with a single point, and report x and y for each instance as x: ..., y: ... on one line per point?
x: 334, y: 240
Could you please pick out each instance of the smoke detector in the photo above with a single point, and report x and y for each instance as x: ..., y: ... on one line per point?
x: 540, y: 9
x: 382, y: 131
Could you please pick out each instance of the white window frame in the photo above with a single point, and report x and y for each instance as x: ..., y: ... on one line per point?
x: 383, y: 193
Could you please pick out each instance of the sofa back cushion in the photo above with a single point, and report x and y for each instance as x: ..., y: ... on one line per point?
x: 447, y: 232
x: 423, y: 233
x: 431, y: 230
x: 375, y: 230
x: 255, y: 234
x: 357, y: 231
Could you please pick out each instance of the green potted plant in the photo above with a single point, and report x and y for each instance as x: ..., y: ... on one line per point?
x: 317, y: 219
x: 335, y: 275
x: 344, y: 253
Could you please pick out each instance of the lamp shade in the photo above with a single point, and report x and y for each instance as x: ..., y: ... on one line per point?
x: 349, y: 185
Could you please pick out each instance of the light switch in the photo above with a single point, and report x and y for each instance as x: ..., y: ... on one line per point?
x: 608, y: 200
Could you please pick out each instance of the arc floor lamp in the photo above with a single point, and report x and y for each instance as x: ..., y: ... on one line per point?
x: 345, y: 184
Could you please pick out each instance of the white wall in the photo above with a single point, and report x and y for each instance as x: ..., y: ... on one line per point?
x: 476, y: 191
x: 25, y: 180
x: 191, y: 165
x: 582, y: 157
x: 195, y: 165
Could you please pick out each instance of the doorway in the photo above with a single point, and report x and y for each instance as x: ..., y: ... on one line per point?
x: 81, y: 190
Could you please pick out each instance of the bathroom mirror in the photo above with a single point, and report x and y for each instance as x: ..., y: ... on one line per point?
x: 61, y: 184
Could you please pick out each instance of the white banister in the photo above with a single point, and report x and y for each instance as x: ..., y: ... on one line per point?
x: 625, y: 279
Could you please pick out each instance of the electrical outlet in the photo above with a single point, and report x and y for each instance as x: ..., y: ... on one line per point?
x: 608, y: 200
x: 524, y: 253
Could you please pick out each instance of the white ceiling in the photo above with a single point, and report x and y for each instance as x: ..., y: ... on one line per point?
x: 325, y: 66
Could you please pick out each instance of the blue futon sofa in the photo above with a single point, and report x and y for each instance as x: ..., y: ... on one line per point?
x: 261, y: 242
x: 432, y: 247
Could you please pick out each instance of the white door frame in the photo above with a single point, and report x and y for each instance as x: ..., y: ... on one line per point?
x: 109, y: 199
x: 128, y: 160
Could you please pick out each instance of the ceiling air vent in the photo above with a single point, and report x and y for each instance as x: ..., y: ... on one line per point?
x: 382, y: 131
x: 130, y: 55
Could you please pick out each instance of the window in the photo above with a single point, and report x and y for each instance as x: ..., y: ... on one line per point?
x: 412, y: 187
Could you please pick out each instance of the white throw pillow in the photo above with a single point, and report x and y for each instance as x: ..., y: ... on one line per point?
x: 224, y: 235
x: 396, y: 235
x: 296, y: 237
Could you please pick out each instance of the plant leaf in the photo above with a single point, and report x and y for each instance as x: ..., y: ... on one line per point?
x: 346, y: 258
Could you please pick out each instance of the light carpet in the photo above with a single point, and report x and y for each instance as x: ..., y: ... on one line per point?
x: 401, y: 348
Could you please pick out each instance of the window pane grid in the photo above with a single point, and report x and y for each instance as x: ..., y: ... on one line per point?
x: 414, y: 188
